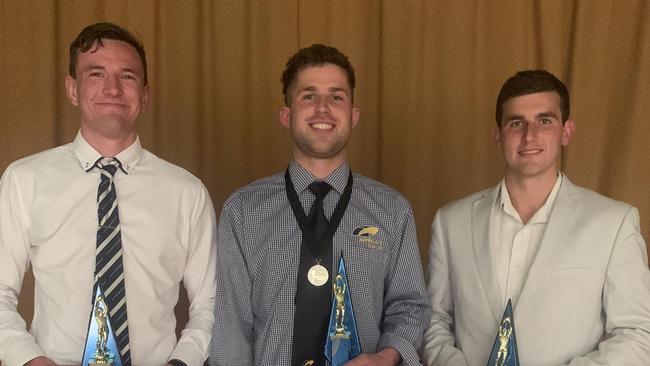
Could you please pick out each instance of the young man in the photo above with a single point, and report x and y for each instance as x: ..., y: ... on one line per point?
x: 272, y: 305
x: 102, y: 212
x: 573, y: 262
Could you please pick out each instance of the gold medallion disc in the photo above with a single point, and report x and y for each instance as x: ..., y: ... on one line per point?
x: 317, y: 275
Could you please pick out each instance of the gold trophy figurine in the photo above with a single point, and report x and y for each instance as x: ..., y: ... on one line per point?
x: 342, y: 342
x: 339, y: 294
x: 504, y: 338
x: 504, y: 349
x: 101, y: 356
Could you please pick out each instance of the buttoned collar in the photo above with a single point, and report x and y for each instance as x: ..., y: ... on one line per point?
x: 301, y: 178
x: 88, y: 156
x: 542, y: 215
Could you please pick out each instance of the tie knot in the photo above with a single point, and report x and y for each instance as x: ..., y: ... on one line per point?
x: 108, y: 165
x: 320, y: 189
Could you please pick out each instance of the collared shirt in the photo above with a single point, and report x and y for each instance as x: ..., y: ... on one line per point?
x: 514, y: 244
x: 48, y: 217
x: 259, y: 253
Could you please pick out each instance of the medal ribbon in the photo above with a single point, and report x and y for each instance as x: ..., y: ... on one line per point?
x: 317, y: 246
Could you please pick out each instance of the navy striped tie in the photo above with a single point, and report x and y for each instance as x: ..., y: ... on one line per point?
x: 109, y: 270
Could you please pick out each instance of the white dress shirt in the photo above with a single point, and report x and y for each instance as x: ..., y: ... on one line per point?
x: 513, y: 244
x: 48, y: 217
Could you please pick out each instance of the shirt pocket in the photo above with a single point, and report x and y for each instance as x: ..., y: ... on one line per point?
x: 365, y: 263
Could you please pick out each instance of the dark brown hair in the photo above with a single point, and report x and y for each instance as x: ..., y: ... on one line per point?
x: 529, y: 82
x: 314, y: 55
x: 95, y: 33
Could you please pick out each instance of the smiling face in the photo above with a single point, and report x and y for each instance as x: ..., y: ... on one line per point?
x: 531, y: 135
x: 320, y: 115
x: 109, y: 90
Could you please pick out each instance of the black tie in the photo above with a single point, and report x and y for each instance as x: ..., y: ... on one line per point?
x: 317, y: 219
x: 313, y: 303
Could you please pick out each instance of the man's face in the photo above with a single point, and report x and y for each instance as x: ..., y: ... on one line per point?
x: 321, y: 115
x: 531, y: 135
x: 109, y: 90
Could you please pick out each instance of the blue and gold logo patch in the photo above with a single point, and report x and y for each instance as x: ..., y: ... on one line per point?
x: 366, y: 235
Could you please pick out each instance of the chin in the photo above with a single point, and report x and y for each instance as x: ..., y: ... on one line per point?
x: 116, y: 128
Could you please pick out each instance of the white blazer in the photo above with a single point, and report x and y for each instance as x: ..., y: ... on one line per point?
x: 586, y: 300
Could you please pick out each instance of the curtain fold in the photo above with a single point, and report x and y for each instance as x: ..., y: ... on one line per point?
x: 428, y: 73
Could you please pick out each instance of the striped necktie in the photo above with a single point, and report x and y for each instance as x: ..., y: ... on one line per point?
x: 109, y: 270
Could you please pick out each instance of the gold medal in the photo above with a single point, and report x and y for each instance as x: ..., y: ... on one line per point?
x: 318, y: 275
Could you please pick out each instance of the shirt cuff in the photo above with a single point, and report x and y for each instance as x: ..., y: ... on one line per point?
x: 403, y: 347
x: 22, y: 351
x: 187, y: 353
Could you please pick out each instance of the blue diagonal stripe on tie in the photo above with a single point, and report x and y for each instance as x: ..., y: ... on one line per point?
x: 109, y: 270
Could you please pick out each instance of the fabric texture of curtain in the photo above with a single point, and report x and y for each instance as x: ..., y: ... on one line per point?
x: 428, y: 73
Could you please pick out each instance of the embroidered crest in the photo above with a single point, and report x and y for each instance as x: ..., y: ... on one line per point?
x: 366, y: 236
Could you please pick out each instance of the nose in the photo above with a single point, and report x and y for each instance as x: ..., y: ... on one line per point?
x: 113, y: 86
x: 322, y: 105
x: 530, y: 132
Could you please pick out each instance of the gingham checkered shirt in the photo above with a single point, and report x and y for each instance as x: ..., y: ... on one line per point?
x: 259, y: 253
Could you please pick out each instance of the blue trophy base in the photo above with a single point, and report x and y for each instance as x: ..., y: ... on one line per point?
x: 340, y: 348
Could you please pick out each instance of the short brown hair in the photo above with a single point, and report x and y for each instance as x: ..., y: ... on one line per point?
x: 314, y: 55
x: 94, y: 34
x: 529, y: 82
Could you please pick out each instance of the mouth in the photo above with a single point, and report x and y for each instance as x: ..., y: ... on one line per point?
x: 322, y: 126
x: 530, y: 152
x: 111, y: 104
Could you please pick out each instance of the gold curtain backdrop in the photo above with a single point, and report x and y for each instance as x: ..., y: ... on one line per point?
x: 428, y: 74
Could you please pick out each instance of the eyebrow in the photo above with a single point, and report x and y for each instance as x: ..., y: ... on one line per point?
x: 332, y: 89
x: 547, y: 114
x: 99, y: 67
x: 93, y: 67
x: 515, y: 117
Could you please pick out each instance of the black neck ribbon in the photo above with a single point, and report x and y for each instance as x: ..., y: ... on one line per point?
x: 317, y: 246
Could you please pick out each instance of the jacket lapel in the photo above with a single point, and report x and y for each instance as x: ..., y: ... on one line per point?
x: 561, y: 218
x: 481, y: 210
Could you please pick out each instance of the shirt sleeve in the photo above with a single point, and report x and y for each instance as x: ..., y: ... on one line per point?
x: 439, y: 340
x: 199, y: 281
x: 406, y: 306
x: 17, y: 346
x: 626, y: 301
x: 232, y: 337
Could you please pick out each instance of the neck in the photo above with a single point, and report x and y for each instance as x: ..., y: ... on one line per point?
x: 108, y: 147
x: 529, y: 194
x: 319, y: 168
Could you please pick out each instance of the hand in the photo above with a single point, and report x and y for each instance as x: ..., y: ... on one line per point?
x: 386, y: 357
x: 40, y: 361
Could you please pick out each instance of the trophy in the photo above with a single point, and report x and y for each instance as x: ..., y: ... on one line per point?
x: 342, y: 338
x: 101, y: 349
x: 504, y: 350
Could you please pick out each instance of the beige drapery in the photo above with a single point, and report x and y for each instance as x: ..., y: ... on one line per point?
x: 428, y: 74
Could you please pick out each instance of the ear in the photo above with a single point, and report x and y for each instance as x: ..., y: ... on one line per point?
x: 568, y: 130
x: 355, y: 116
x: 285, y: 116
x: 71, y: 90
x: 496, y: 135
x: 145, y: 97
